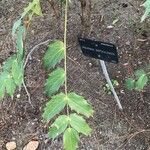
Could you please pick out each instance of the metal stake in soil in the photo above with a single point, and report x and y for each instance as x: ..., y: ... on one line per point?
x: 104, y: 69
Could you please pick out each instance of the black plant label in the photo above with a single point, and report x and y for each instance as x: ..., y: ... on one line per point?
x: 99, y: 50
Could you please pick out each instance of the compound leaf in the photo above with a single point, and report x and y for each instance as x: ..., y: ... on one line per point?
x: 78, y: 123
x: 54, y: 54
x: 17, y: 72
x: 141, y: 82
x: 54, y: 81
x: 79, y: 104
x: 54, y: 106
x: 70, y: 139
x: 130, y: 84
x: 58, y: 127
x: 147, y: 10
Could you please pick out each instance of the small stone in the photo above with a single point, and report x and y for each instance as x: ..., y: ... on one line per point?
x: 90, y: 65
x: 128, y: 43
x: 125, y: 64
x: 139, y: 62
x: 110, y: 27
x: 122, y: 92
x: 32, y: 32
x: 12, y: 9
x: 18, y: 96
x: 10, y: 145
x: 32, y: 145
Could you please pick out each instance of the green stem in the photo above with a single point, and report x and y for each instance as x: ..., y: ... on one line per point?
x: 65, y: 43
x: 65, y: 51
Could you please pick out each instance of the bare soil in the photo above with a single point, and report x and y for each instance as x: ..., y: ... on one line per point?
x: 112, y: 129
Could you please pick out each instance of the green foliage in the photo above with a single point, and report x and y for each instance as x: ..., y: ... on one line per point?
x: 19, y: 42
x: 17, y: 72
x: 107, y: 88
x: 79, y: 124
x: 59, y: 126
x: 147, y: 10
x: 32, y: 8
x: 140, y: 81
x: 79, y: 104
x: 54, y: 54
x: 7, y: 84
x: 70, y: 139
x: 54, y: 106
x: 12, y: 72
x: 69, y: 125
x: 54, y: 81
x: 11, y: 76
x: 130, y: 83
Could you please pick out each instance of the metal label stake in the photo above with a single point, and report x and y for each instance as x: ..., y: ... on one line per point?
x: 105, y: 72
x: 105, y: 52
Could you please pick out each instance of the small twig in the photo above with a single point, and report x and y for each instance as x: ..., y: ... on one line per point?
x: 28, y: 94
x: 26, y: 61
x: 131, y: 136
x: 34, y: 48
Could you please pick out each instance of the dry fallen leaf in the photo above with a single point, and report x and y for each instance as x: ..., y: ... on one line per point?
x: 10, y: 145
x: 32, y: 145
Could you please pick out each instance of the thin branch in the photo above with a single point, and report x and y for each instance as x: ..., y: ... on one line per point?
x: 32, y: 50
x: 28, y: 94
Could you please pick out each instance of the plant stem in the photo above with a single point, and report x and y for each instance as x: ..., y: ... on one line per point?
x: 65, y: 43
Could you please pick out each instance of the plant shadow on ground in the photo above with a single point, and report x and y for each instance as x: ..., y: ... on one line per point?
x: 112, y: 129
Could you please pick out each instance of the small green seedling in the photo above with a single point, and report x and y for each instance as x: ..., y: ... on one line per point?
x: 139, y: 82
x: 107, y: 88
x: 147, y: 10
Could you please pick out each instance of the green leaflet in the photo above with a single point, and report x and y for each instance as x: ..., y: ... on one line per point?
x: 17, y: 72
x: 19, y: 42
x: 8, y: 63
x: 54, y: 81
x: 54, y: 106
x: 30, y: 7
x: 70, y: 139
x: 3, y: 78
x: 147, y: 10
x: 79, y: 104
x: 15, y: 26
x: 58, y: 127
x: 2, y: 91
x: 139, y: 72
x: 141, y: 82
x: 130, y: 84
x: 37, y: 9
x: 54, y: 54
x: 10, y: 85
x: 78, y: 123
